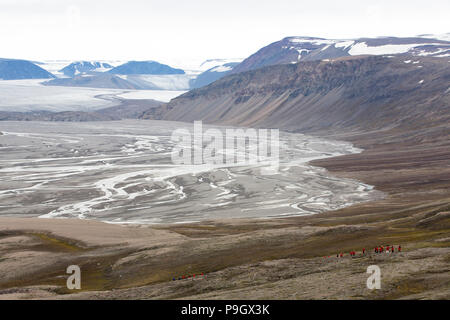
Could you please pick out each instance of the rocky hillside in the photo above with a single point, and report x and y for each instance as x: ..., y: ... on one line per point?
x: 365, y: 92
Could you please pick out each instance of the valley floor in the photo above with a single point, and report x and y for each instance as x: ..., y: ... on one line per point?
x: 264, y: 258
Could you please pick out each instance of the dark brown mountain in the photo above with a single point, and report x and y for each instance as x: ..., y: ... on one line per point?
x: 363, y: 92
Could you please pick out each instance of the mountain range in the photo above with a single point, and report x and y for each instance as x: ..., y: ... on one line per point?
x: 135, y: 75
x: 297, y: 83
x: 290, y: 50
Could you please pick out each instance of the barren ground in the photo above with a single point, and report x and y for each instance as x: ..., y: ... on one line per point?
x: 267, y: 259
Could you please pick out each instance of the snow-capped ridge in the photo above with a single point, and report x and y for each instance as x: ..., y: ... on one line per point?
x: 294, y: 49
x: 80, y: 67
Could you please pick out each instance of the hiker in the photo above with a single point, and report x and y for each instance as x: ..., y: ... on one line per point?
x: 399, y: 248
x: 364, y: 251
x: 392, y: 249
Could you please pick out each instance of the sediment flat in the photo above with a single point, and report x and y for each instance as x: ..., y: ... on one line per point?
x: 122, y: 172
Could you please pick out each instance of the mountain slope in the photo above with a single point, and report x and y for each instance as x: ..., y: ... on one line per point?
x: 11, y: 69
x: 212, y: 75
x: 294, y: 49
x: 144, y: 67
x: 367, y: 92
x: 211, y: 63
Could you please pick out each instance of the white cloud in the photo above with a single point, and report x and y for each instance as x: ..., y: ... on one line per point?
x: 174, y: 30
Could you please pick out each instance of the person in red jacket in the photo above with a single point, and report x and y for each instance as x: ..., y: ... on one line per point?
x: 364, y: 251
x: 399, y: 248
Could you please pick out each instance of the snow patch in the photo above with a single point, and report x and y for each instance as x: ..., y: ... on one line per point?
x: 363, y: 48
x: 211, y: 63
x: 313, y: 41
x: 429, y: 53
x: 221, y: 69
x: 443, y: 37
x: 160, y: 95
x: 344, y: 44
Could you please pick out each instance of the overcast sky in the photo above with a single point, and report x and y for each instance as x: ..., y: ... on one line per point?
x: 180, y: 31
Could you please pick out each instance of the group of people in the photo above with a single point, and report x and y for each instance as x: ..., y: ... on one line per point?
x: 202, y: 276
x: 380, y: 249
x: 391, y: 249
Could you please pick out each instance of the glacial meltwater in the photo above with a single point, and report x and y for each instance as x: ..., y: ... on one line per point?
x: 122, y: 172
